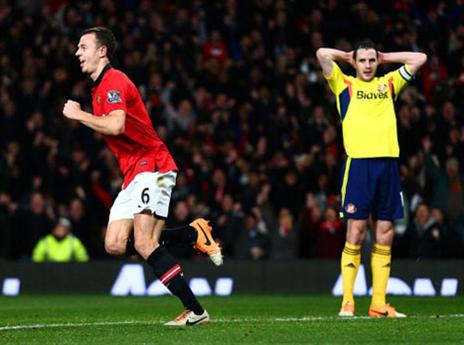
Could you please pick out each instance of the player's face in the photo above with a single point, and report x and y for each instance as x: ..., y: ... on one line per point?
x: 88, y: 53
x: 366, y: 64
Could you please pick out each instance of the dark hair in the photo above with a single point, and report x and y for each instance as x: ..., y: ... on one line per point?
x: 105, y: 38
x: 364, y: 44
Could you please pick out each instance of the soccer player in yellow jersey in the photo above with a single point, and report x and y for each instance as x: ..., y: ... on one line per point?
x: 371, y: 181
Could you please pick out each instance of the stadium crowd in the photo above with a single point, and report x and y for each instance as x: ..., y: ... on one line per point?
x: 234, y: 89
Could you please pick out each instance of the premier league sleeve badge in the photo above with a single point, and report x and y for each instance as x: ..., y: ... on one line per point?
x: 114, y: 96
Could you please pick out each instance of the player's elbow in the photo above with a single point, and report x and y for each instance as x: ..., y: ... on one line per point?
x: 117, y: 125
x: 321, y: 54
x: 324, y: 57
x: 116, y: 122
x: 421, y: 59
x: 118, y: 128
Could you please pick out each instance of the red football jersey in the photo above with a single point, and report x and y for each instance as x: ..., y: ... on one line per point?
x: 139, y: 148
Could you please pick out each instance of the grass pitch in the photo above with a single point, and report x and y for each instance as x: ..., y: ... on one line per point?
x: 240, y: 319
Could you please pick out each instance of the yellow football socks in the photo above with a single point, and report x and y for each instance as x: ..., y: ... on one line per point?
x: 351, y: 259
x: 380, y: 265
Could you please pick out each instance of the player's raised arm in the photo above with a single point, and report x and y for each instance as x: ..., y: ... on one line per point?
x: 327, y: 56
x: 111, y: 124
x: 412, y: 60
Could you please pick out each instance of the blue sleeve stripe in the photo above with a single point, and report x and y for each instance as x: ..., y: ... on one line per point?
x: 344, y: 101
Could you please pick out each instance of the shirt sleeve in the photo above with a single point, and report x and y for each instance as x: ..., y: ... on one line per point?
x: 336, y: 79
x: 399, y: 79
x: 116, y: 95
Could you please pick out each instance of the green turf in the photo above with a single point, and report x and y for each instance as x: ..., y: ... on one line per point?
x: 250, y: 319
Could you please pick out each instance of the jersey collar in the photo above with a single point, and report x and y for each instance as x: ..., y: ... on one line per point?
x: 101, y: 75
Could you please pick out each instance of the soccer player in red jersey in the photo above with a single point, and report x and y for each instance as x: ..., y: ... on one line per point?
x: 141, y: 207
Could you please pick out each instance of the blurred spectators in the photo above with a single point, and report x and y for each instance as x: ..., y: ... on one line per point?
x: 330, y: 236
x: 234, y: 88
x: 254, y: 242
x: 35, y: 221
x: 228, y: 225
x: 284, y: 236
x: 424, y: 238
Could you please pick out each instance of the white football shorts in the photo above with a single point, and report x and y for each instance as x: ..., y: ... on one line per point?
x: 147, y: 191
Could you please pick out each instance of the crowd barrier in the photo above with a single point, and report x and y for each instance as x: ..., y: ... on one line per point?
x: 120, y: 278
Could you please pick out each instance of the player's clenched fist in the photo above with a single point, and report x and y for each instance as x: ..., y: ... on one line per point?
x: 71, y: 109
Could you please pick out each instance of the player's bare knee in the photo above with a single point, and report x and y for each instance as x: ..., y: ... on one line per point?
x: 115, y: 248
x: 389, y: 231
x: 356, y: 235
x: 387, y: 235
x: 384, y: 233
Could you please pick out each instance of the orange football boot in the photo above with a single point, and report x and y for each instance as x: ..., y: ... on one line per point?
x: 205, y: 242
x: 384, y: 311
x: 347, y: 309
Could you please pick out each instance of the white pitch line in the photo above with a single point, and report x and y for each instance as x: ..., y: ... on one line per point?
x: 278, y: 319
x: 78, y: 324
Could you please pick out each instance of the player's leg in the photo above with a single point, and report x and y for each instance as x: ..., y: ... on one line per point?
x: 199, y: 234
x: 355, y: 206
x: 120, y: 225
x: 117, y: 237
x: 120, y: 239
x: 381, y: 261
x: 152, y: 200
x: 350, y: 262
x: 147, y: 230
x: 389, y: 206
x: 381, y: 266
x: 184, y: 234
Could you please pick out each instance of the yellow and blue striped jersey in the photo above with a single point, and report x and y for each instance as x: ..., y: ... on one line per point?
x: 367, y: 112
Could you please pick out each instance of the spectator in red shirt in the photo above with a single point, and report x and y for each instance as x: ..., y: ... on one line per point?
x: 330, y: 237
x: 215, y: 48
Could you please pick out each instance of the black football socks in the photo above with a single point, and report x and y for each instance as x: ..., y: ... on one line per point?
x: 185, y: 234
x: 169, y: 237
x: 170, y: 274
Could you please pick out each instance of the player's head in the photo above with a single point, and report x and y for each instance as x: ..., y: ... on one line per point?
x: 95, y: 49
x: 365, y: 58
